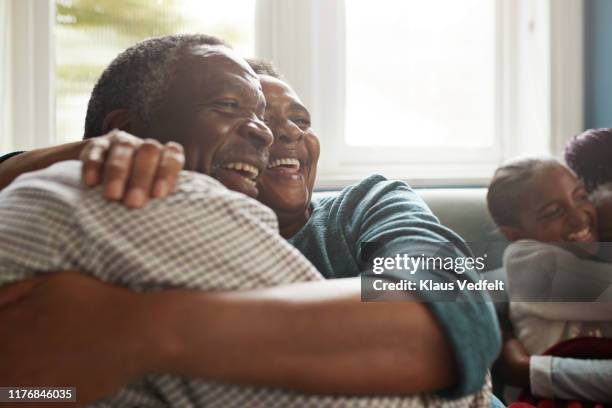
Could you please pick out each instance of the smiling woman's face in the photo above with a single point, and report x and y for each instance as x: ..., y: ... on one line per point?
x: 286, y: 185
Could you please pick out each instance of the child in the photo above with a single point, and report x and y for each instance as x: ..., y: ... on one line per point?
x: 542, y: 208
x: 545, y: 212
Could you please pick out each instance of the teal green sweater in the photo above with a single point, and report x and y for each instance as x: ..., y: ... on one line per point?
x: 390, y: 212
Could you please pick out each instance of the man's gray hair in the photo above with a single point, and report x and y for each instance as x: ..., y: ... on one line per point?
x: 139, y: 78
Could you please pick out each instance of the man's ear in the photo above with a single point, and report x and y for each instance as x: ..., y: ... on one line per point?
x: 511, y: 233
x: 118, y: 119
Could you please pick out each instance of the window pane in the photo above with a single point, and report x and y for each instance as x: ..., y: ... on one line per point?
x: 90, y: 33
x: 420, y: 73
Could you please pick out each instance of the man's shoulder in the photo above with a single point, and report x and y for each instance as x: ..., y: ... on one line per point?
x: 204, y: 191
x: 60, y: 186
x: 60, y: 182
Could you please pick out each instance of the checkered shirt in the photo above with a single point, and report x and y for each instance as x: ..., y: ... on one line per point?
x: 203, y: 237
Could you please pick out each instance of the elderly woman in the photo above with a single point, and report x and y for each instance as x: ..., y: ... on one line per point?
x: 453, y: 343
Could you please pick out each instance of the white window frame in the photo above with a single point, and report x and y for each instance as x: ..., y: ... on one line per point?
x: 28, y: 77
x: 539, y: 90
x: 539, y: 81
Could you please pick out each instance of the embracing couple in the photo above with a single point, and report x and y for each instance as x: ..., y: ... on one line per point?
x: 240, y: 305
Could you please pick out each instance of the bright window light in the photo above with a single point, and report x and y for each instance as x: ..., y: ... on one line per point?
x: 420, y: 73
x: 90, y: 33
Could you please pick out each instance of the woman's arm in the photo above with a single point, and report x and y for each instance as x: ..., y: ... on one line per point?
x: 129, y: 168
x: 36, y: 160
x: 316, y: 337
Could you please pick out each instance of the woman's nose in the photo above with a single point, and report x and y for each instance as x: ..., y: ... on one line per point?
x: 288, y: 132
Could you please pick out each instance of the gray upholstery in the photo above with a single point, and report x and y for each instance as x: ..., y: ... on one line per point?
x: 464, y: 210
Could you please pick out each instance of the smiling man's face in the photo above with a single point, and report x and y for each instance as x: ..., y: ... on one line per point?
x: 215, y: 109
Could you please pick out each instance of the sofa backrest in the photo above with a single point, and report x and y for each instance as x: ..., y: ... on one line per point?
x: 464, y: 210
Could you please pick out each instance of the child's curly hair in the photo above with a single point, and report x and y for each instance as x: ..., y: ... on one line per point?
x: 589, y: 155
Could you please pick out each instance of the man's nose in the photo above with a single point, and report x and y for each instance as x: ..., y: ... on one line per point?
x: 257, y: 133
x: 288, y: 132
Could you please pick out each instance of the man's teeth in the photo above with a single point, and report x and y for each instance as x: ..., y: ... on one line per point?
x: 580, y: 235
x: 251, y: 171
x: 249, y: 182
x: 295, y: 163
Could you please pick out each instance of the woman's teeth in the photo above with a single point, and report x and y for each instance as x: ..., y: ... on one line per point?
x: 248, y: 171
x: 294, y: 163
x: 582, y: 235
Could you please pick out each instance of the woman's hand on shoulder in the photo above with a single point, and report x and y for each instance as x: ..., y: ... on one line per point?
x: 130, y: 169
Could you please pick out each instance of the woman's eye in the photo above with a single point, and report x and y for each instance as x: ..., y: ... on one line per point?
x: 301, y: 122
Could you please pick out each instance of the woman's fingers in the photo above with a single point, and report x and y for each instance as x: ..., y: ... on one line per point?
x: 117, y: 169
x: 171, y: 163
x: 93, y: 156
x: 130, y: 169
x: 145, y: 163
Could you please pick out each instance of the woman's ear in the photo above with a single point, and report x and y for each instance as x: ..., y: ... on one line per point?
x: 511, y: 233
x: 118, y: 119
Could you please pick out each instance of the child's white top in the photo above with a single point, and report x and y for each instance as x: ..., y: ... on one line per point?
x: 555, y: 295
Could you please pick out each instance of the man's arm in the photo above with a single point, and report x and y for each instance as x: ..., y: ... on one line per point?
x: 312, y: 337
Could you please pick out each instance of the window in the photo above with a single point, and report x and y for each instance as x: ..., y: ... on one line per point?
x: 436, y: 92
x: 418, y: 77
x: 90, y: 33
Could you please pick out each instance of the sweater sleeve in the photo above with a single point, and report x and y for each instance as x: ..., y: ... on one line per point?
x: 571, y: 379
x: 400, y: 222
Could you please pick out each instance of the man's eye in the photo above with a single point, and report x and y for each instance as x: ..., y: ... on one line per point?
x: 227, y: 104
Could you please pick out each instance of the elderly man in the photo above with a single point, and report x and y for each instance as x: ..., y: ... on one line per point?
x: 222, y: 105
